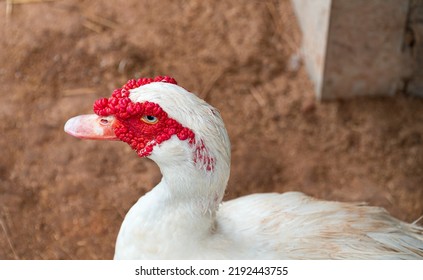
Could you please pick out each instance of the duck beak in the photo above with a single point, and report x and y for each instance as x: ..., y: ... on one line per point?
x: 92, y: 127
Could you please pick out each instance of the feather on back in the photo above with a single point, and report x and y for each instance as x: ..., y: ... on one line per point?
x: 295, y: 226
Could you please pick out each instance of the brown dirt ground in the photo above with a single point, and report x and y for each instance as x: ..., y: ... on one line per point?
x: 63, y: 198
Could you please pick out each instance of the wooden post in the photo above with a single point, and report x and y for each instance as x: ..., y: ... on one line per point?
x: 313, y: 17
x: 414, y: 44
x: 355, y: 48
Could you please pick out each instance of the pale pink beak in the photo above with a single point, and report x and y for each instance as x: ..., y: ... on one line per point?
x: 92, y: 127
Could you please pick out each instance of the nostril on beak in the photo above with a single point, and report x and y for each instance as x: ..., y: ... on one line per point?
x: 104, y: 121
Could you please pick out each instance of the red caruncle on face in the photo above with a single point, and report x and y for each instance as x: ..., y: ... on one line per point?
x: 142, y: 134
x: 141, y: 125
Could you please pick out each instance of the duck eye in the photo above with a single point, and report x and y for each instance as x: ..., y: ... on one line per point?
x: 149, y: 119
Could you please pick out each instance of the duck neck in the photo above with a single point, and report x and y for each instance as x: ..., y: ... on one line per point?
x: 180, y: 216
x: 181, y: 209
x: 201, y: 191
x: 193, y: 176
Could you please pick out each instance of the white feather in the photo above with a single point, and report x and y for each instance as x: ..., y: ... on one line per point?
x: 180, y: 218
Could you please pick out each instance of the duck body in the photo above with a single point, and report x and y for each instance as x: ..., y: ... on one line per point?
x: 183, y: 217
x: 267, y: 226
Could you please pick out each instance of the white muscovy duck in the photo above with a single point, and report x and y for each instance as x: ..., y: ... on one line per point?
x: 183, y: 217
